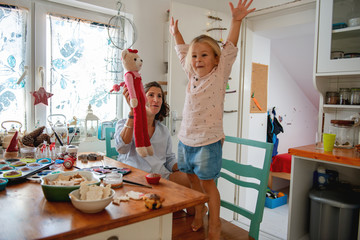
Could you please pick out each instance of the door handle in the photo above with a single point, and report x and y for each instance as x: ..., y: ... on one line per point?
x: 174, y: 118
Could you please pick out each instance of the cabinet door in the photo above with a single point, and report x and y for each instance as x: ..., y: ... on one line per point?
x: 346, y: 40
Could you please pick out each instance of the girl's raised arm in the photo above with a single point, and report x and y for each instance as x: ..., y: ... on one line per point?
x: 238, y: 14
x: 174, y: 30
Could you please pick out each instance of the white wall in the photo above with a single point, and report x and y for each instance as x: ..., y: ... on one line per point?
x: 149, y: 19
x: 300, y: 117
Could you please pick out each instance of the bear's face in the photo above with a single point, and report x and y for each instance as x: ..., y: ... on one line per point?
x: 131, y: 60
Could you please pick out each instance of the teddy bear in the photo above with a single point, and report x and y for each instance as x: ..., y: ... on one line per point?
x: 132, y: 64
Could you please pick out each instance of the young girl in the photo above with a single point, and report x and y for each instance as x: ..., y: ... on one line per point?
x: 200, y: 151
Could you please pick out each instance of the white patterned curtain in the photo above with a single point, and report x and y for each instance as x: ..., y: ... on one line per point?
x: 84, y: 68
x: 13, y: 40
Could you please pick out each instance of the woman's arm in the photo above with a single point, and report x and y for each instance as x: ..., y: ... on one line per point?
x: 238, y: 14
x: 171, y: 161
x: 174, y: 31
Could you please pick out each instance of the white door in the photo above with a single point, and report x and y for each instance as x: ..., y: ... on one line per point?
x: 177, y: 80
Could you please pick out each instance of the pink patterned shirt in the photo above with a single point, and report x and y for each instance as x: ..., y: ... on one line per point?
x: 202, y: 119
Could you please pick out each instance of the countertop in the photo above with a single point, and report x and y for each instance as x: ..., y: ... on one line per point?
x: 338, y: 155
x: 26, y: 214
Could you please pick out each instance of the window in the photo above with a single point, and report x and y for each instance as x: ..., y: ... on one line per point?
x: 81, y: 44
x: 72, y: 46
x: 12, y: 63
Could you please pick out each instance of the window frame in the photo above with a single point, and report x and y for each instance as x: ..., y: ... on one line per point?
x: 36, y: 56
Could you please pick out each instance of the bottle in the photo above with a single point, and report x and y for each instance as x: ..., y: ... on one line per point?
x: 322, y: 177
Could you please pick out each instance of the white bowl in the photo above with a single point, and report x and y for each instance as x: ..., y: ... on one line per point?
x: 90, y: 206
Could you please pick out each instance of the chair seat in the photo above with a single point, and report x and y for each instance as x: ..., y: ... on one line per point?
x: 181, y: 229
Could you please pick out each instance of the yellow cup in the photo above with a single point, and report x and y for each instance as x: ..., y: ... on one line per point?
x: 329, y: 141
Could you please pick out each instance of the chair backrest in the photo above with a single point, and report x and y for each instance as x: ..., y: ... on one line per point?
x: 110, y: 151
x: 248, y: 171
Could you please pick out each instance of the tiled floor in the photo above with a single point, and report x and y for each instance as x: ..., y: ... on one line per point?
x: 274, y: 224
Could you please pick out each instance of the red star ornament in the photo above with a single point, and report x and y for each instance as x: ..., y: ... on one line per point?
x: 41, y: 96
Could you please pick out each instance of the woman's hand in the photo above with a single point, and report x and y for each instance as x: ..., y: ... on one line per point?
x: 241, y: 11
x: 127, y: 97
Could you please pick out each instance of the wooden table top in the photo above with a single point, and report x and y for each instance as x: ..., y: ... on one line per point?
x: 26, y: 214
x: 338, y: 155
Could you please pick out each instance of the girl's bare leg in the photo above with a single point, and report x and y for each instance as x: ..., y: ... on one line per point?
x: 200, y: 210
x: 211, y: 190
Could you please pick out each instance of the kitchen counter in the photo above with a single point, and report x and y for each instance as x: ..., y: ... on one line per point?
x: 305, y: 160
x: 26, y: 214
x: 338, y: 155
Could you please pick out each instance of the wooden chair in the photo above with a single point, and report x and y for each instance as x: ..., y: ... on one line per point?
x: 110, y: 151
x: 262, y: 175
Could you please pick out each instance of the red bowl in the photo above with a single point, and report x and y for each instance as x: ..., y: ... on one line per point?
x: 153, y: 178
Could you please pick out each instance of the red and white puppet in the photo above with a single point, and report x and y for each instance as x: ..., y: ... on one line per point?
x: 132, y: 64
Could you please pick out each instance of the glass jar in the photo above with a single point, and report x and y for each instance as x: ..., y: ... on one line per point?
x: 355, y: 96
x: 114, y: 178
x: 332, y: 98
x: 345, y: 133
x: 345, y: 95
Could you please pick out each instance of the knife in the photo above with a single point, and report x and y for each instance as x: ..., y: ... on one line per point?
x: 135, y: 183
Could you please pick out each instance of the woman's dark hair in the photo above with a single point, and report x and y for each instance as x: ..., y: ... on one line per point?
x: 164, y: 110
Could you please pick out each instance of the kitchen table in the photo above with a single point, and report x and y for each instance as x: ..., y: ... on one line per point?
x: 26, y: 214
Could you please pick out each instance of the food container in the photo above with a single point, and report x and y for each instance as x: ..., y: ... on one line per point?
x: 3, y: 182
x: 353, y: 22
x: 337, y: 54
x: 72, y: 151
x: 332, y: 98
x: 351, y: 55
x: 59, y: 193
x: 355, y: 96
x: 90, y: 206
x: 153, y: 178
x: 345, y: 133
x: 345, y: 95
x: 115, y: 179
x: 28, y: 152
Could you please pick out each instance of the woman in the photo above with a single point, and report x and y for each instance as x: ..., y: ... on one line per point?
x: 163, y: 161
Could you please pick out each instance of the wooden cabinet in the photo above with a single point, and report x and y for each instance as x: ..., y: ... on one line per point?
x: 346, y: 40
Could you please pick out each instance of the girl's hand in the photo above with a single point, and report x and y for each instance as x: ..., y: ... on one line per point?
x: 173, y: 28
x: 241, y: 11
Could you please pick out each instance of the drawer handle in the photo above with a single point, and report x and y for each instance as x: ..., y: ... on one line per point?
x: 113, y: 238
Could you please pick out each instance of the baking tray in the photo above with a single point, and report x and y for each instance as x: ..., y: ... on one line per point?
x: 25, y: 175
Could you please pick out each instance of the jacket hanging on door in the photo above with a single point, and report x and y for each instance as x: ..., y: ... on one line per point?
x: 273, y: 129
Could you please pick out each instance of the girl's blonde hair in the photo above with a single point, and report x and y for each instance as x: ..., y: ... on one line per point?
x: 202, y: 39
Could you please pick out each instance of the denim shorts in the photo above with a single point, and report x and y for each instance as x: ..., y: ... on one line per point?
x: 204, y: 161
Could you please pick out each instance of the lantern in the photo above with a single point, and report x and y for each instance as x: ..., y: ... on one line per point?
x: 91, y: 125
